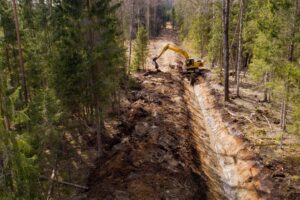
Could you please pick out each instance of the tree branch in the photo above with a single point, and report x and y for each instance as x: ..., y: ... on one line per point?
x: 65, y: 183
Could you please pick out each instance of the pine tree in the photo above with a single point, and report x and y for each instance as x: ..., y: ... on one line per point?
x: 140, y: 49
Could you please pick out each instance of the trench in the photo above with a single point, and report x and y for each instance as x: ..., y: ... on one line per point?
x: 230, y: 168
x: 150, y: 152
x: 172, y: 143
x: 226, y: 162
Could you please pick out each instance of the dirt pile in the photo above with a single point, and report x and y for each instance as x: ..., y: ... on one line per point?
x: 150, y: 155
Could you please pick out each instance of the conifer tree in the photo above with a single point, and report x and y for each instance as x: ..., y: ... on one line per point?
x: 68, y: 68
x: 105, y: 59
x: 140, y: 49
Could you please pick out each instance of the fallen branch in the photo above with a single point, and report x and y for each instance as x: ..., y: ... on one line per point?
x: 51, y: 180
x: 248, y: 119
x: 235, y: 115
x: 65, y: 183
x: 268, y: 122
x: 268, y: 144
x: 231, y: 113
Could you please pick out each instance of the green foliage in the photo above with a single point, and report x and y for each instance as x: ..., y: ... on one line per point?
x: 199, y: 29
x: 271, y: 50
x: 19, y: 171
x: 295, y: 99
x: 140, y: 49
x: 68, y: 69
x: 74, y: 62
x: 198, y: 34
x: 7, y: 22
x: 107, y: 57
x: 214, y: 45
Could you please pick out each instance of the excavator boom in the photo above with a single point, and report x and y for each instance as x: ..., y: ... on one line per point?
x: 175, y: 49
x: 191, y: 64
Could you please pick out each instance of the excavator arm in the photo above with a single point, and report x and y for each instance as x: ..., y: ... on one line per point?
x: 173, y: 48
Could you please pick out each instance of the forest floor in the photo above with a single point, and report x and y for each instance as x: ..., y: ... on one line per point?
x: 150, y: 146
x: 259, y: 122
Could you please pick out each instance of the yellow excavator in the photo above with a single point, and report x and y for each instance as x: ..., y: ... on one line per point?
x: 191, y: 64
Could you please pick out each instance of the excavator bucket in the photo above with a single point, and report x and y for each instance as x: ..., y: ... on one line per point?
x: 155, y: 63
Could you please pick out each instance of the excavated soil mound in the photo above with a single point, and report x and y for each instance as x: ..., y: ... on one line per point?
x: 151, y: 155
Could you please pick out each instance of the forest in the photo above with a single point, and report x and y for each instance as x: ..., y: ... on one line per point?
x: 69, y: 68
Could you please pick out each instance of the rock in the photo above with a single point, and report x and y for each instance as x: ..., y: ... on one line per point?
x: 173, y: 163
x: 141, y: 128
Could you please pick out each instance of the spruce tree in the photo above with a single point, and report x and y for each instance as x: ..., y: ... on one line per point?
x: 140, y: 49
x: 68, y: 69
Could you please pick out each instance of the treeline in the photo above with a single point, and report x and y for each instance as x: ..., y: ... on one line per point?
x: 263, y: 38
x: 60, y: 61
x: 62, y: 66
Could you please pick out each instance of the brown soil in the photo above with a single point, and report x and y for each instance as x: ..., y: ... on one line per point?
x: 151, y: 155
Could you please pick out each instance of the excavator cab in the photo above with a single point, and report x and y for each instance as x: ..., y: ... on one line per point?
x: 192, y: 64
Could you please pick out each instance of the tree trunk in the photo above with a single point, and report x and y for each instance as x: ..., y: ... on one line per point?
x: 5, y: 120
x: 225, y: 14
x: 240, y: 49
x: 266, y: 90
x: 148, y: 18
x: 290, y: 59
x: 7, y: 58
x: 99, y: 129
x: 246, y: 64
x: 284, y: 104
x: 50, y: 7
x: 6, y: 124
x: 173, y: 19
x: 284, y: 115
x: 292, y: 45
x: 154, y: 18
x: 130, y: 36
x: 21, y: 61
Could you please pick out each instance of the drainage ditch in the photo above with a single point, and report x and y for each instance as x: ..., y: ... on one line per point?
x: 231, y: 170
